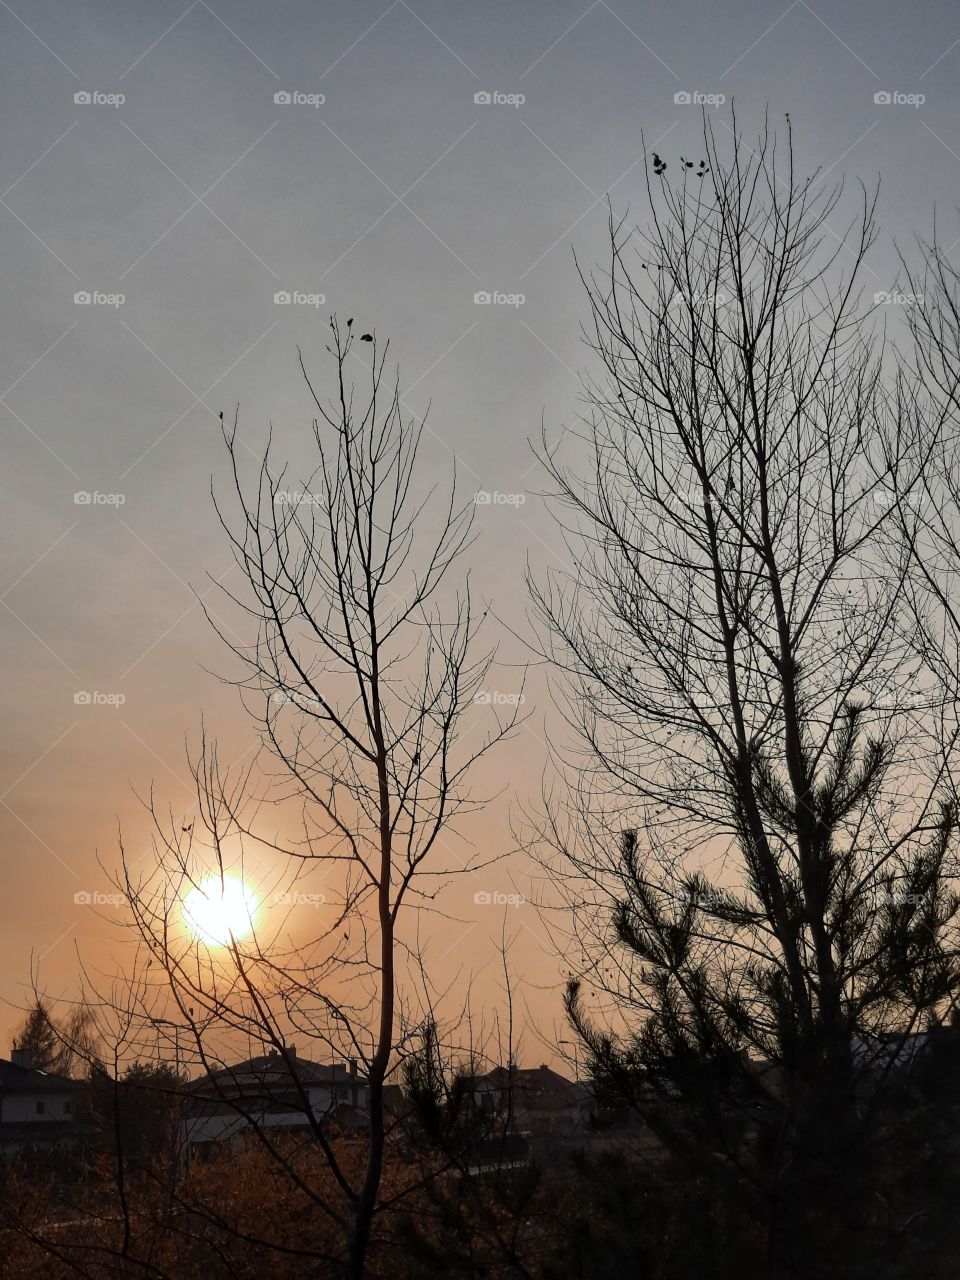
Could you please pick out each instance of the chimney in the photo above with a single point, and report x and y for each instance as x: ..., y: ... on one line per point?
x: 288, y: 1049
x: 22, y: 1058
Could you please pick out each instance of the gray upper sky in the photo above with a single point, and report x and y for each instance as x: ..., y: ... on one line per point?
x: 399, y: 197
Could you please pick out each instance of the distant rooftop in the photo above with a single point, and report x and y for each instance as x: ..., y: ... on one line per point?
x: 540, y: 1087
x: 13, y: 1076
x: 274, y: 1069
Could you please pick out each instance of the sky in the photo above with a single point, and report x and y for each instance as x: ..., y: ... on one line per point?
x: 188, y: 191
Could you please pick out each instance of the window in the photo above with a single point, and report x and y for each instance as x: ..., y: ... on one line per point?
x: 41, y: 1108
x: 68, y: 1108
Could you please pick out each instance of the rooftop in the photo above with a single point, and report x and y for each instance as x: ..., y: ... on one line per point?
x: 540, y: 1087
x: 274, y: 1071
x: 13, y: 1076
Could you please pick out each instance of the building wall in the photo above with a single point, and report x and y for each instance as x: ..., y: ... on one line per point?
x: 225, y: 1125
x: 21, y: 1106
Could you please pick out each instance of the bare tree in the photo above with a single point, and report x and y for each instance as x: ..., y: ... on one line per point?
x: 929, y: 517
x: 355, y: 644
x: 759, y: 835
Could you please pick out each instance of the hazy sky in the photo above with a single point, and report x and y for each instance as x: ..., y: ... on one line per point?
x: 398, y: 198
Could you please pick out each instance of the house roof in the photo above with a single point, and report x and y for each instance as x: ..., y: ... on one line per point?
x: 27, y: 1080
x: 273, y: 1072
x: 540, y: 1087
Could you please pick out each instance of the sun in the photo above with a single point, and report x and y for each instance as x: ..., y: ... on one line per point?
x: 216, y: 910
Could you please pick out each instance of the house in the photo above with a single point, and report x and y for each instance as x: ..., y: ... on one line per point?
x: 538, y: 1099
x: 275, y: 1091
x: 38, y: 1110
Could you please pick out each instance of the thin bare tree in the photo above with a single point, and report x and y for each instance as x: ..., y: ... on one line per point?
x: 355, y: 636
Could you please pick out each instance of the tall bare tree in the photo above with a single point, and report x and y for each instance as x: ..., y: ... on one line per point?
x: 356, y: 650
x: 759, y: 837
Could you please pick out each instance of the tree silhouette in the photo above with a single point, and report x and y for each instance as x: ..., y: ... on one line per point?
x: 355, y: 651
x: 759, y: 836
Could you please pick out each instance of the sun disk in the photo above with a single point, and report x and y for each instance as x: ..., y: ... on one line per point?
x: 216, y: 910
